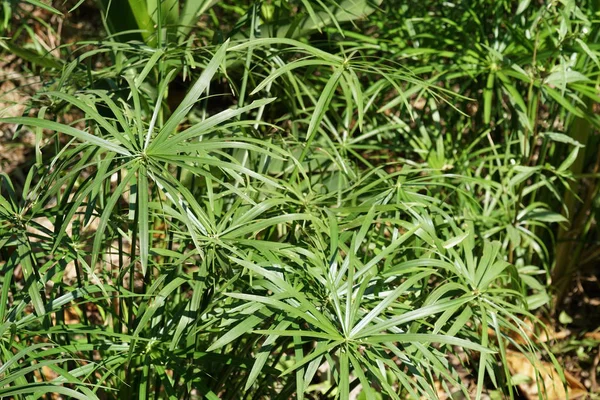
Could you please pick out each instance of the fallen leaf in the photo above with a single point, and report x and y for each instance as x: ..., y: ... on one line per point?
x: 592, y: 335
x: 551, y: 385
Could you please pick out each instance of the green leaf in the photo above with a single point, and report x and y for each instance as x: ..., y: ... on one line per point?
x: 382, y: 306
x: 560, y: 99
x: 142, y: 18
x: 344, y: 381
x: 38, y: 389
x: 562, y: 78
x: 100, y: 120
x: 418, y: 313
x: 319, y: 112
x: 523, y: 4
x: 264, y: 354
x: 427, y: 338
x: 81, y: 135
x: 150, y: 64
x: 544, y: 216
x: 31, y: 278
x: 320, y: 349
x: 346, y: 10
x: 286, y: 69
x: 588, y: 51
x: 191, y: 97
x: 157, y: 302
x: 190, y: 13
x: 450, y: 243
x: 240, y: 329
x: 44, y: 6
x: 105, y: 217
x: 566, y: 164
x: 47, y: 60
x: 205, y: 127
x: 561, y: 138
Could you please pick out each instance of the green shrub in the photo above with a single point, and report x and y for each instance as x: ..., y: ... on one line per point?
x: 300, y: 211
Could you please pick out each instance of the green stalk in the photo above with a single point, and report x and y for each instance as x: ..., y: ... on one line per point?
x: 9, y: 268
x: 134, y: 228
x: 85, y: 318
x: 118, y: 301
x: 249, y: 54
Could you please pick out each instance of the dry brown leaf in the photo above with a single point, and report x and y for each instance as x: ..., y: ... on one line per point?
x: 592, y: 335
x: 551, y: 386
x: 538, y: 335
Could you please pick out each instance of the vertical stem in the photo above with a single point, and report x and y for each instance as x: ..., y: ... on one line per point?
x: 85, y: 318
x: 130, y: 375
x: 118, y: 281
x: 532, y: 112
x: 248, y: 58
x: 132, y: 265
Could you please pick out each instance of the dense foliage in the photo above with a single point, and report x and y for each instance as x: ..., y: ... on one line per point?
x: 296, y: 199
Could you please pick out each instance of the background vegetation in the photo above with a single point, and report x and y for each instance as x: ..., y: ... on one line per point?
x: 299, y: 199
